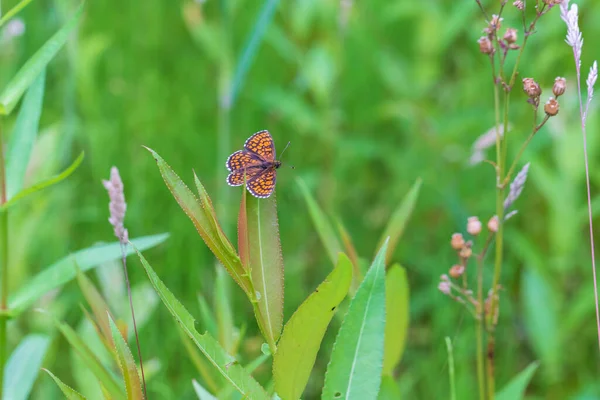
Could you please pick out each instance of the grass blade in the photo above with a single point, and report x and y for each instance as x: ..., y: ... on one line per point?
x: 266, y: 265
x: 352, y: 255
x: 99, y: 306
x: 324, y: 228
x: 224, y: 314
x: 64, y: 270
x: 36, y: 64
x: 302, y: 335
x: 207, y: 317
x: 202, y: 393
x: 44, y: 184
x: 133, y: 385
x: 14, y: 11
x: 389, y: 389
x: 397, y: 317
x: 515, y: 389
x: 354, y: 371
x: 227, y: 366
x: 23, y: 366
x: 70, y: 393
x: 451, y: 369
x: 22, y: 139
x: 202, y: 215
x: 399, y: 219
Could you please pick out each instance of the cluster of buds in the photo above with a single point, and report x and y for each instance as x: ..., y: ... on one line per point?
x: 507, y: 42
x: 533, y: 91
x: 551, y: 3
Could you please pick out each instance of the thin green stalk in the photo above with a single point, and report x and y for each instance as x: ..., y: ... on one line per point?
x: 451, y: 368
x: 3, y: 266
x: 13, y: 11
x: 480, y: 318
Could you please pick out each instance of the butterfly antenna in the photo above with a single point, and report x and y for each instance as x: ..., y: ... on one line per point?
x: 284, y: 149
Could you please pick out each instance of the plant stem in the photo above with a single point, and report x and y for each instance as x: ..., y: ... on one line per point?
x: 451, y: 368
x: 480, y: 318
x: 137, y: 338
x: 3, y: 266
x: 490, y: 366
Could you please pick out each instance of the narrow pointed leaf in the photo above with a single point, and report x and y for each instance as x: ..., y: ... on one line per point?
x: 133, y: 386
x: 207, y: 318
x: 36, y: 64
x: 515, y: 389
x: 227, y: 366
x: 14, y: 11
x: 266, y: 264
x: 324, y: 228
x: 352, y: 255
x: 202, y: 393
x: 204, y: 220
x: 399, y: 219
x: 104, y: 376
x: 302, y: 335
x: 44, y: 184
x: 354, y: 371
x: 397, y: 316
x: 69, y: 392
x: 64, y: 270
x: 22, y: 139
x: 98, y: 305
x: 23, y: 366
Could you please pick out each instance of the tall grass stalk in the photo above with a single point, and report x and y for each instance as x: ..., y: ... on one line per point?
x: 451, y: 368
x: 3, y: 266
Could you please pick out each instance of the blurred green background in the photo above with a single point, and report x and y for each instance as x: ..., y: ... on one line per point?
x: 371, y: 95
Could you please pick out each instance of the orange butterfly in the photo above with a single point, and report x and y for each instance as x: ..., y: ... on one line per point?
x: 257, y: 161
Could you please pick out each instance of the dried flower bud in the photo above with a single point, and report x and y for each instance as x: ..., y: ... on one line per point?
x: 510, y: 36
x: 495, y: 23
x: 560, y: 85
x: 551, y: 107
x: 485, y: 45
x: 444, y: 287
x: 493, y: 224
x: 456, y: 271
x: 531, y: 87
x: 457, y: 241
x: 519, y: 4
x: 465, y: 252
x: 473, y: 226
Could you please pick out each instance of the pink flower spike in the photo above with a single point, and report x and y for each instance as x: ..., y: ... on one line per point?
x: 117, y: 205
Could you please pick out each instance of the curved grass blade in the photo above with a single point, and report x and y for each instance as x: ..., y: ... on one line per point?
x: 44, y: 184
x: 202, y: 393
x: 354, y: 371
x: 397, y: 317
x: 99, y: 306
x: 324, y: 228
x: 266, y: 264
x: 70, y: 393
x: 515, y: 389
x: 227, y: 365
x: 303, y: 333
x: 133, y: 386
x: 64, y: 270
x: 36, y: 64
x: 22, y: 139
x: 202, y: 215
x: 14, y: 11
x: 399, y: 219
x: 104, y: 376
x: 23, y: 366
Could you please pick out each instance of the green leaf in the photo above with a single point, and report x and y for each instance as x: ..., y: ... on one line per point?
x: 64, y: 270
x: 207, y: 317
x: 223, y: 310
x: 357, y: 275
x: 14, y: 11
x: 515, y: 389
x: 70, y: 393
x: 44, y: 184
x: 202, y: 215
x: 266, y: 265
x: 397, y: 317
x: 133, y: 386
x: 399, y: 219
x: 202, y: 393
x: 303, y: 333
x: 36, y: 64
x: 389, y: 389
x: 99, y: 306
x: 357, y: 356
x: 22, y: 139
x: 104, y: 376
x: 23, y: 366
x: 324, y: 228
x: 228, y: 366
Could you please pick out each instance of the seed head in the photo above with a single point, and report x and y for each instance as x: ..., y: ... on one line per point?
x: 510, y: 36
x: 456, y: 271
x: 485, y: 45
x: 531, y: 87
x: 560, y: 85
x: 519, y: 4
x: 117, y: 205
x: 457, y: 241
x: 465, y: 252
x: 493, y: 224
x: 551, y: 107
x: 473, y: 226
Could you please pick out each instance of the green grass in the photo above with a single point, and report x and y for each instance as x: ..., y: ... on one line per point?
x: 401, y: 94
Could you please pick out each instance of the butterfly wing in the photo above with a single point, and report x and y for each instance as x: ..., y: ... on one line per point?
x: 241, y: 160
x: 236, y: 178
x: 261, y: 144
x: 263, y: 184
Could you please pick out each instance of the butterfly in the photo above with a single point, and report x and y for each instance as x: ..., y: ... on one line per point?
x: 257, y: 161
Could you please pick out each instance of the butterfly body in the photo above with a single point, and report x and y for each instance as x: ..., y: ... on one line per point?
x: 257, y: 163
